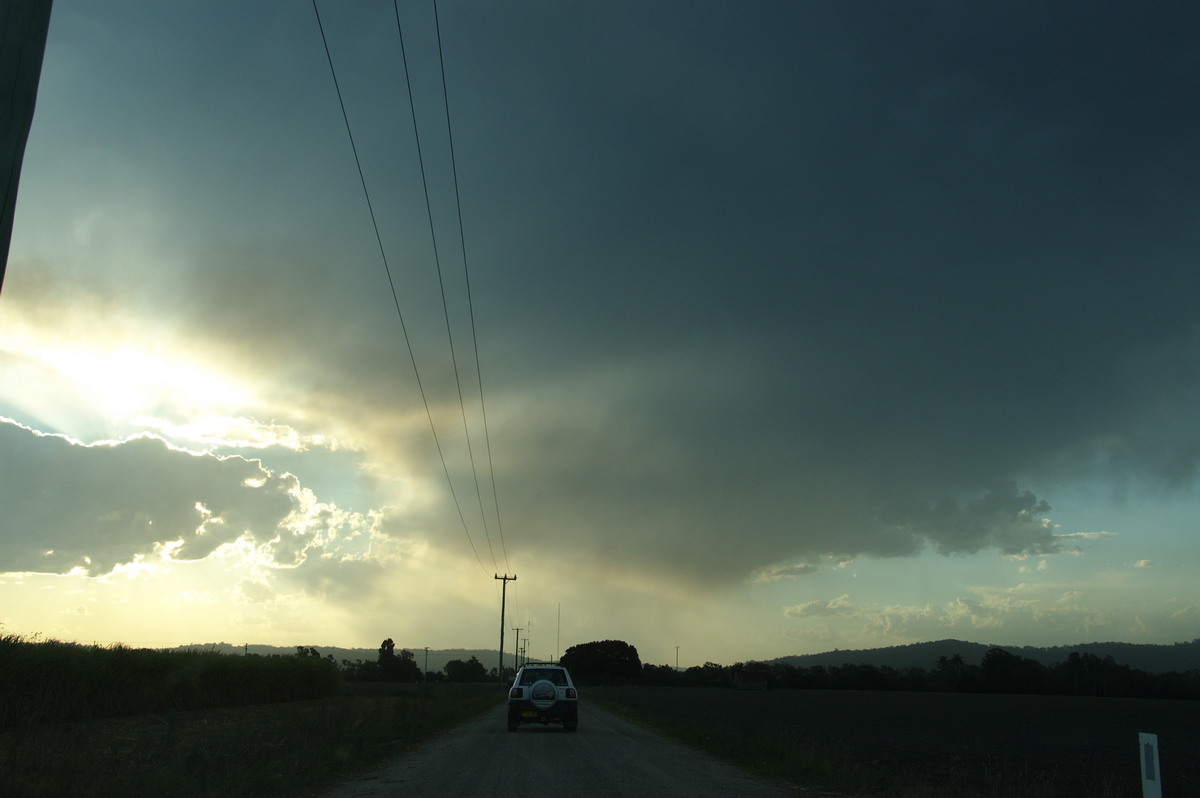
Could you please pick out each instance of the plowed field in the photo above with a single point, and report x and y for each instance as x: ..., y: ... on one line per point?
x: 998, y: 744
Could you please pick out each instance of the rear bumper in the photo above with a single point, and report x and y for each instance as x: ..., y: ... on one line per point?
x: 526, y: 712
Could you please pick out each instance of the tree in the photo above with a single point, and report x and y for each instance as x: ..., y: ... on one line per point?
x: 470, y: 671
x: 1005, y: 672
x: 710, y: 674
x: 397, y: 668
x: 360, y: 670
x: 603, y: 662
x: 510, y: 673
x: 1088, y: 674
x: 658, y: 675
x: 955, y: 675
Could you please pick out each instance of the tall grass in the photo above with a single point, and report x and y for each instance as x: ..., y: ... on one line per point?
x: 295, y: 749
x: 91, y: 721
x: 759, y: 751
x: 47, y: 681
x: 799, y: 760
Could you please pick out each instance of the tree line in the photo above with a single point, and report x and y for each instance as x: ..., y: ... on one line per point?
x: 49, y: 681
x: 401, y: 666
x: 1000, y: 671
x: 609, y: 662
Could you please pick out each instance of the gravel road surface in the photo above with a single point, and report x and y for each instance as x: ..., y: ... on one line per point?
x: 606, y: 757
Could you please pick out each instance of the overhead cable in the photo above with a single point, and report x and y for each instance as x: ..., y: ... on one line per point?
x: 467, y: 273
x: 392, y: 286
x: 441, y: 282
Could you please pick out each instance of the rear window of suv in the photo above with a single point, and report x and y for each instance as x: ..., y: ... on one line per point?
x: 553, y: 675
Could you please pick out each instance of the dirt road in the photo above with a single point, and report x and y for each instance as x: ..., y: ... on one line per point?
x: 606, y: 757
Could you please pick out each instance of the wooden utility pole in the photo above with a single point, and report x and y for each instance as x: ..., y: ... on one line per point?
x: 517, y: 649
x: 23, y: 29
x: 503, y: 597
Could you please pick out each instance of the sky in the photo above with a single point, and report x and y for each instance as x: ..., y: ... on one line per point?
x: 734, y: 331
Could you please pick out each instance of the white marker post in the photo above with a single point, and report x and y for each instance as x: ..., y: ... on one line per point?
x: 1151, y: 775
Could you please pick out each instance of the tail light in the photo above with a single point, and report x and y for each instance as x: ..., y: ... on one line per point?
x: 515, y: 692
x: 571, y: 693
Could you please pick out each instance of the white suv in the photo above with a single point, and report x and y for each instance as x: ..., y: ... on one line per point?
x: 543, y: 693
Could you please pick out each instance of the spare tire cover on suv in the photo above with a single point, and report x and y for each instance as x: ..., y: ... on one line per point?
x: 543, y: 694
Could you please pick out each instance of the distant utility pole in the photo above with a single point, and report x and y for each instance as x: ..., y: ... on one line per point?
x: 425, y: 676
x: 503, y: 596
x: 676, y: 657
x: 517, y: 647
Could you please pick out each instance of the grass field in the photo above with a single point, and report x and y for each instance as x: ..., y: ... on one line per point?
x: 47, y: 681
x: 929, y: 744
x: 91, y: 721
x: 101, y: 721
x: 297, y: 748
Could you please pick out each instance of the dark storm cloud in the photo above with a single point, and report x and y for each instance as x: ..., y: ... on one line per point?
x: 849, y: 272
x: 754, y: 283
x: 787, y: 282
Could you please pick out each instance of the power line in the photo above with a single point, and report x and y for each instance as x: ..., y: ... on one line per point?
x: 466, y: 272
x: 392, y: 286
x: 441, y: 282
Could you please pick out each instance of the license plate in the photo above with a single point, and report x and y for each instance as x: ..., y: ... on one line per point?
x: 529, y: 714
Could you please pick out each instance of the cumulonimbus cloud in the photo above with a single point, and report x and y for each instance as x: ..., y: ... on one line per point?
x: 74, y: 506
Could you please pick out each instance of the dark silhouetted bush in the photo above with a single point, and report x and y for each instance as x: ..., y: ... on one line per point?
x: 603, y: 662
x: 49, y: 681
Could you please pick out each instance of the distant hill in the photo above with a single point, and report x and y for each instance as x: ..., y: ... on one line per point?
x: 1151, y: 658
x: 437, y: 657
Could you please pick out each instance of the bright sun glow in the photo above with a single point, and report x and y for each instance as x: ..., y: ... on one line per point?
x: 124, y: 381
